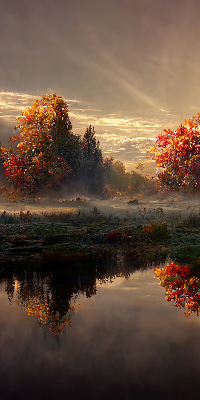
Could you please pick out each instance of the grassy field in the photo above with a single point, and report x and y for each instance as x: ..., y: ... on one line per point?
x: 81, y: 231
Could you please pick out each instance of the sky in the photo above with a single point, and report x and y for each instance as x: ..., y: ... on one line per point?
x: 130, y: 68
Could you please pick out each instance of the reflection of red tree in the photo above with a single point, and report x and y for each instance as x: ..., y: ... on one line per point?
x: 38, y: 307
x: 35, y: 297
x: 52, y: 298
x: 181, y: 285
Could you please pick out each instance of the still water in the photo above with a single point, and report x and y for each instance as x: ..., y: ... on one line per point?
x: 93, y: 336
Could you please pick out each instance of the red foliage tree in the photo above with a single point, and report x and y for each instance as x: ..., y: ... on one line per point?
x: 177, y: 154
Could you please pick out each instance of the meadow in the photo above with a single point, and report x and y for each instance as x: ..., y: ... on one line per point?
x: 80, y: 230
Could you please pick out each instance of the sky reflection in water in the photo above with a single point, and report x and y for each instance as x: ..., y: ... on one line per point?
x: 125, y: 341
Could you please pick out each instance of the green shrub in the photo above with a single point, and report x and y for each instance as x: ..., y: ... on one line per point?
x: 156, y: 232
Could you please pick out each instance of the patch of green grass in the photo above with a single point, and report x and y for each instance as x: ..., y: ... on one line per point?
x: 187, y: 254
x: 84, y: 237
x: 191, y: 221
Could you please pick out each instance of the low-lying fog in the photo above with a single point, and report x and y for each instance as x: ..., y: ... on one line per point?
x: 121, y: 206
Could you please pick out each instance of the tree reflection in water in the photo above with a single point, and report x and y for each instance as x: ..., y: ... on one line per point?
x: 53, y: 296
x: 182, y: 285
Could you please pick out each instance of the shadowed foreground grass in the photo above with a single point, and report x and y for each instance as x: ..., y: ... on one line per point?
x: 52, y: 238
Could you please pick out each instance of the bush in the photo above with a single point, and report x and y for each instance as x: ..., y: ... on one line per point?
x: 154, y: 231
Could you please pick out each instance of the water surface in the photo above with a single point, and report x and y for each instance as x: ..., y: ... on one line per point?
x: 120, y: 339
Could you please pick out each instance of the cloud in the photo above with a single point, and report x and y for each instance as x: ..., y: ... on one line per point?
x: 13, y: 103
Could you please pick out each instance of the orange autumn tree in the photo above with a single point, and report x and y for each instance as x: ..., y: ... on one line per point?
x: 33, y: 164
x: 177, y: 154
x: 45, y: 144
